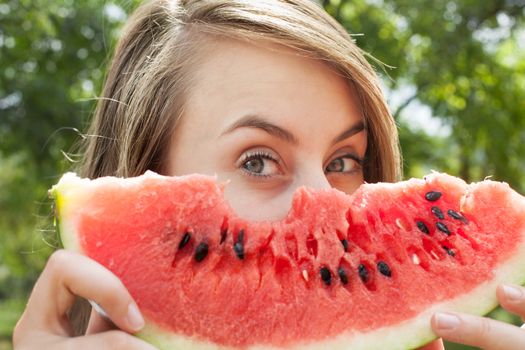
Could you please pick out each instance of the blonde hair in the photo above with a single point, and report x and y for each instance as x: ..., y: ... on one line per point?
x: 150, y: 76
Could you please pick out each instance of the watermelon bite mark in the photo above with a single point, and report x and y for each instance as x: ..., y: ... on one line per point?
x: 363, y: 271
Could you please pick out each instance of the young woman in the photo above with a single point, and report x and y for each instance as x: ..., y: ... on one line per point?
x: 268, y: 94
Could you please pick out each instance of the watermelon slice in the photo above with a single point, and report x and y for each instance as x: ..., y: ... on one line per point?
x: 364, y: 271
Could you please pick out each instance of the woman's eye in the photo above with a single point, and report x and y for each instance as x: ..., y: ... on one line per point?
x: 254, y: 165
x: 260, y: 164
x: 343, y: 164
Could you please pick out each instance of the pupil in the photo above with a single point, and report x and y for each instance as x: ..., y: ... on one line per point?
x: 254, y: 165
x: 336, y: 165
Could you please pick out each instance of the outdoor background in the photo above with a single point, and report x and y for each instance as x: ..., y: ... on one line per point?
x: 455, y: 81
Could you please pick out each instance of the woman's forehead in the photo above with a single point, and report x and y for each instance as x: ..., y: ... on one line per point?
x: 238, y: 79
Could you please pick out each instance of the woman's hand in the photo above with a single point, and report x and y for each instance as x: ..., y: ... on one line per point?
x: 483, y: 332
x: 44, y: 323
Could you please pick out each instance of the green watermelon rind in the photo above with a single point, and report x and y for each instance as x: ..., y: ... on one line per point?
x: 409, y: 334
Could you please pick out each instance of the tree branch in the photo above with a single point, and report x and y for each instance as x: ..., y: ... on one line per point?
x: 404, y: 105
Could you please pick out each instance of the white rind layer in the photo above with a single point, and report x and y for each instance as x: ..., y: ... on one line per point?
x: 69, y: 186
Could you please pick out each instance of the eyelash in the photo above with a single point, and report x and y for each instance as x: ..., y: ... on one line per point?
x: 254, y: 155
x: 360, y: 162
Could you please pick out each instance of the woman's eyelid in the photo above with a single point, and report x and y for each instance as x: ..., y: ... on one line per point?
x: 348, y: 153
x: 262, y: 153
x: 355, y: 157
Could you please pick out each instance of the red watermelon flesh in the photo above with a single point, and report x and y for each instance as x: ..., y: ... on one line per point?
x: 363, y: 271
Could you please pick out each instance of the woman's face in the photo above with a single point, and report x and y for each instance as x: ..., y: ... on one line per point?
x: 269, y: 121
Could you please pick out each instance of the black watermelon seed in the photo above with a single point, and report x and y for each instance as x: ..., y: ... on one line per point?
x: 384, y: 269
x: 342, y: 275
x: 449, y: 251
x: 443, y: 228
x: 238, y: 247
x: 422, y: 227
x: 224, y: 232
x: 438, y: 213
x: 433, y: 196
x: 345, y: 244
x: 185, y: 239
x: 201, y: 251
x: 455, y: 215
x: 326, y: 275
x: 363, y: 273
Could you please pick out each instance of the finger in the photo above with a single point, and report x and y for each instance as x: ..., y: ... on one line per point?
x: 478, y: 331
x: 435, y: 345
x: 512, y: 298
x: 68, y: 274
x: 98, y: 323
x: 111, y: 340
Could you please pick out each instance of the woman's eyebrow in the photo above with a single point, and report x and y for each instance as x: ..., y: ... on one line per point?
x: 257, y: 122
x: 351, y: 131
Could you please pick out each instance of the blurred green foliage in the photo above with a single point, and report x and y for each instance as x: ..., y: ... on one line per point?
x: 457, y: 92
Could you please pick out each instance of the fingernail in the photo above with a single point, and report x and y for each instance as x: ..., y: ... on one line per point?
x: 446, y: 321
x: 135, y: 319
x: 512, y: 293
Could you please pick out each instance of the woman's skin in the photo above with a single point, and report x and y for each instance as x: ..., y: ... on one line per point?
x: 267, y: 121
